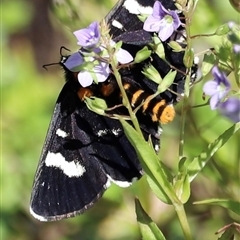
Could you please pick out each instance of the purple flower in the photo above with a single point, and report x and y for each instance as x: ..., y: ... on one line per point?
x: 217, y: 88
x: 123, y: 56
x: 88, y: 37
x: 75, y: 60
x: 100, y: 72
x: 236, y: 48
x: 162, y: 21
x: 231, y: 109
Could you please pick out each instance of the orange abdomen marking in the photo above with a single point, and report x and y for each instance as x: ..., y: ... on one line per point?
x: 167, y: 114
x: 136, y: 96
x: 107, y: 89
x: 84, y: 92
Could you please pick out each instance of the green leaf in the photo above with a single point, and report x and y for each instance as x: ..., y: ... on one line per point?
x: 226, y: 203
x: 200, y: 161
x: 151, y: 73
x: 209, y: 60
x: 142, y: 55
x: 222, y: 30
x: 142, y: 17
x: 148, y: 228
x: 182, y: 164
x: 167, y: 81
x: 175, y: 46
x: 158, y: 47
x: 118, y: 45
x: 158, y: 191
x: 182, y: 187
x: 188, y: 57
x: 97, y: 105
x: 150, y: 163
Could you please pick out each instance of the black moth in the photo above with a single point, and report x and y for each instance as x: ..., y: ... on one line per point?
x: 85, y: 152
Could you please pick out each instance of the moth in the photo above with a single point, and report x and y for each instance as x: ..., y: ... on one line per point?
x: 84, y: 153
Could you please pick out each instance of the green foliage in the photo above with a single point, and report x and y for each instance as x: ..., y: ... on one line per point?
x: 148, y: 228
x: 208, y: 168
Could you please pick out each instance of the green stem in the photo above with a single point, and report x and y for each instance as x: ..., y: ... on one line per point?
x: 182, y: 128
x: 183, y: 221
x: 126, y: 102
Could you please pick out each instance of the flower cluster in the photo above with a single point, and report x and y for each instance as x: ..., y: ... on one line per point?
x: 162, y: 21
x: 218, y: 89
x: 99, y: 70
x: 96, y: 69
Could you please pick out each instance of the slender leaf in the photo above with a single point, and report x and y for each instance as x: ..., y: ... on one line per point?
x: 226, y: 203
x: 150, y: 163
x: 148, y: 228
x: 200, y: 161
x: 182, y: 187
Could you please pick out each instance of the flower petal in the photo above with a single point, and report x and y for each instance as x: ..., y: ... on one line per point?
x: 162, y: 21
x: 151, y: 24
x: 176, y: 20
x: 236, y: 48
x: 85, y: 78
x: 166, y: 30
x: 210, y: 87
x: 220, y: 77
x: 231, y: 109
x: 214, y: 101
x: 102, y: 71
x: 73, y: 61
x: 123, y: 56
x: 159, y: 11
x: 88, y: 37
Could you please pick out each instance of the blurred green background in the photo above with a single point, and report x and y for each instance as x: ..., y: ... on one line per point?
x: 32, y: 33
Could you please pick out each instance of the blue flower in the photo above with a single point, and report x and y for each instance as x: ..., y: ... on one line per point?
x: 88, y: 37
x: 100, y: 71
x: 162, y: 21
x: 122, y: 55
x: 236, y: 48
x: 231, y: 109
x: 73, y: 61
x: 217, y: 88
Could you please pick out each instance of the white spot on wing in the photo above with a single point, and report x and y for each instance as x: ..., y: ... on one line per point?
x: 61, y: 133
x: 117, y: 24
x: 71, y: 169
x: 135, y: 8
x: 160, y: 130
x: 38, y: 217
x: 116, y: 131
x: 107, y: 184
x: 120, y: 183
x: 103, y: 132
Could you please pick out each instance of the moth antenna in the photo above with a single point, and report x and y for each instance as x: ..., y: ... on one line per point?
x: 49, y: 64
x: 61, y: 48
x: 56, y: 63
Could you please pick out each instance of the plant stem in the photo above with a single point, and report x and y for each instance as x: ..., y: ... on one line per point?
x: 127, y: 103
x: 182, y: 128
x: 183, y: 221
